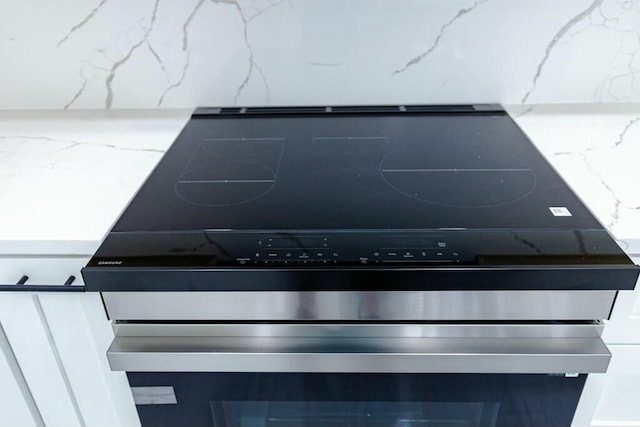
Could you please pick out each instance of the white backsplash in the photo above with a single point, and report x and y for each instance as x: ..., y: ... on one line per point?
x: 166, y: 53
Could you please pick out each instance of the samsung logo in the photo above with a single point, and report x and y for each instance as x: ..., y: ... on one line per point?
x: 109, y: 262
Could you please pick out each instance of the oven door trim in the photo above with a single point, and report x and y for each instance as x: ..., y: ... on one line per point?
x: 360, y: 306
x: 523, y: 349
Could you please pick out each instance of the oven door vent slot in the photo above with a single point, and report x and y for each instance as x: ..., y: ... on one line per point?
x: 453, y: 108
x: 285, y: 110
x: 366, y: 109
x: 231, y: 110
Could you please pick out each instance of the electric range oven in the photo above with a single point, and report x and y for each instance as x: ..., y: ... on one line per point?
x: 357, y: 266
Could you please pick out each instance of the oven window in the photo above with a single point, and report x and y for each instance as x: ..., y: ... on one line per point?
x: 208, y: 399
x: 354, y: 414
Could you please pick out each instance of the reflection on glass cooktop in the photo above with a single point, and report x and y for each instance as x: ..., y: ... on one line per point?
x: 353, y: 172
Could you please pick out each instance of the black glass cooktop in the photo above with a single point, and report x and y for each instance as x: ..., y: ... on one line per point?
x: 352, y: 172
x: 373, y: 187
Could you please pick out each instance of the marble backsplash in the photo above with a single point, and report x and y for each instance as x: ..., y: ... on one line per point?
x: 162, y: 53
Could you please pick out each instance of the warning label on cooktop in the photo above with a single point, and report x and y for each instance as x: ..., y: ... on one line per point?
x: 559, y: 211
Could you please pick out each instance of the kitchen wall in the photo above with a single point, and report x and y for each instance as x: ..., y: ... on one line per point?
x: 170, y: 53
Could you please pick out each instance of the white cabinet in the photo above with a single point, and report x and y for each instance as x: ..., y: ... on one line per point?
x: 27, y: 336
x: 613, y: 400
x: 82, y: 334
x: 619, y: 404
x: 588, y: 403
x: 624, y: 325
x: 53, y: 367
x: 17, y: 407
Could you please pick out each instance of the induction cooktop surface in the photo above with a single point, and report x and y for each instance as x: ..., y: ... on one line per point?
x: 354, y: 172
x: 421, y: 188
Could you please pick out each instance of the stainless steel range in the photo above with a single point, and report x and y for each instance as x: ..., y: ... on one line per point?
x: 357, y: 266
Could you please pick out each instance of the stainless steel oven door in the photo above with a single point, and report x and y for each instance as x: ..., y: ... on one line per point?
x: 248, y: 375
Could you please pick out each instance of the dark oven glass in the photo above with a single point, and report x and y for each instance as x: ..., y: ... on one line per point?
x: 355, y: 400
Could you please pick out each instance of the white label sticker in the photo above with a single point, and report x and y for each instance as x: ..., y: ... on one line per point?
x: 154, y: 395
x: 559, y: 211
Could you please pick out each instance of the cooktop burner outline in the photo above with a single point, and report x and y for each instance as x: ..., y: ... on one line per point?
x: 226, y: 181
x: 351, y: 144
x: 246, y: 171
x: 458, y: 187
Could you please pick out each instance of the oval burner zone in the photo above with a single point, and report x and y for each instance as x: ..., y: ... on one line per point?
x: 225, y: 183
x: 439, y: 183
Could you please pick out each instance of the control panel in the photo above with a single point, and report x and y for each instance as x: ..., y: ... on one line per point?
x: 350, y: 249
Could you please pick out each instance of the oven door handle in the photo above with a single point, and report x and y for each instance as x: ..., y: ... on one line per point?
x: 367, y: 354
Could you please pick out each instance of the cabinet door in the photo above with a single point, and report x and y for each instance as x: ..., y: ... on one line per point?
x: 26, y: 332
x: 611, y: 399
x: 17, y: 407
x: 82, y: 334
x: 591, y: 395
x: 60, y: 340
x: 617, y: 403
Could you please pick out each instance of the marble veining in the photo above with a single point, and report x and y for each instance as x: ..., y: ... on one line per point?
x: 596, y: 152
x: 556, y: 38
x: 157, y: 53
x: 121, y: 61
x: 624, y: 66
x: 67, y: 188
x: 252, y: 62
x: 619, y: 203
x: 436, y: 41
x: 172, y: 85
x: 118, y: 63
x: 82, y: 22
x: 67, y: 175
x: 66, y: 143
x: 246, y: 17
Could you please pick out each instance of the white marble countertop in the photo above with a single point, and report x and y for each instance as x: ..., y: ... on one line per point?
x: 66, y: 175
x: 596, y: 149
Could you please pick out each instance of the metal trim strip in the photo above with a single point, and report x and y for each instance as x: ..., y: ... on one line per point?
x: 388, y: 306
x: 361, y: 355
